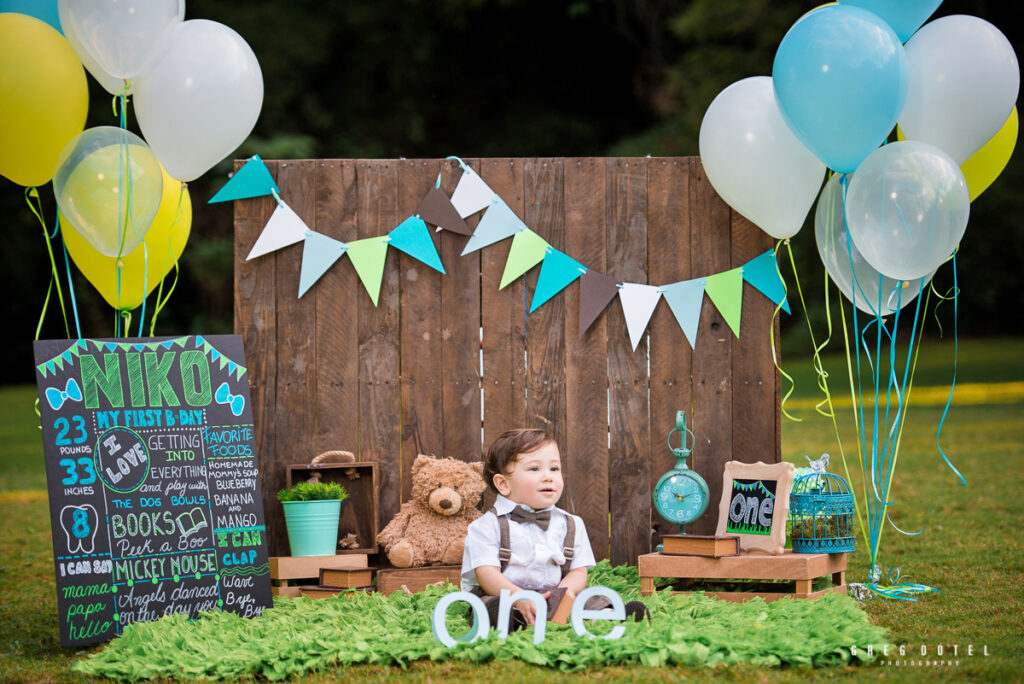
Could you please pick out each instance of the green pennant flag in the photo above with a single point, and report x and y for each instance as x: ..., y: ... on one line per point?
x: 42, y: 369
x: 367, y: 256
x: 528, y: 250
x: 180, y: 342
x: 726, y: 292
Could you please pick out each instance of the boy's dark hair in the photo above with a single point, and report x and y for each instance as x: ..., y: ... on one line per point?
x: 507, y: 448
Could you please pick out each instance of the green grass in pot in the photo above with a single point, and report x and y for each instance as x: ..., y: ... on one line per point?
x: 313, y: 491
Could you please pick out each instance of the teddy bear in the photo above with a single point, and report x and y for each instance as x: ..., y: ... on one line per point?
x: 430, y: 528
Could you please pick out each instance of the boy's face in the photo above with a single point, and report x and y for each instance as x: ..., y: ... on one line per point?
x: 534, y: 479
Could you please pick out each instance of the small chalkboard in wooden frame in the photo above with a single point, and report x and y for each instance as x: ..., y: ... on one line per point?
x: 755, y: 504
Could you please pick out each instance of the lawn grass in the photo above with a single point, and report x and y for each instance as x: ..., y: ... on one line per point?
x: 969, y: 549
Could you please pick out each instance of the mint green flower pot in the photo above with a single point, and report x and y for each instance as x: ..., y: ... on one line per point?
x: 312, y: 526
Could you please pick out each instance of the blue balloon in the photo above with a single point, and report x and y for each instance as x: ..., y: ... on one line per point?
x: 904, y: 16
x: 840, y: 78
x: 44, y: 10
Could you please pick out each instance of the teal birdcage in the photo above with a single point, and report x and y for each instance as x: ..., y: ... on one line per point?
x: 821, y: 511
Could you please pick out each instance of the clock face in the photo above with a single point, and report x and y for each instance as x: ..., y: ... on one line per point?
x: 681, y: 499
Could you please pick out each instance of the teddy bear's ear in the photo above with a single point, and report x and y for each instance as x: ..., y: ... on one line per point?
x: 418, y: 464
x: 479, y: 467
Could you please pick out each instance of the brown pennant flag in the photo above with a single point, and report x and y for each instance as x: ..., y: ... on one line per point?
x: 437, y: 209
x: 597, y: 290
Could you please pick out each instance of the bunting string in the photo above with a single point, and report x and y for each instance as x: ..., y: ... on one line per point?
x: 80, y: 345
x: 528, y: 249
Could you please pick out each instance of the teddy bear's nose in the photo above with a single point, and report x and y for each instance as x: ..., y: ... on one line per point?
x: 445, y: 503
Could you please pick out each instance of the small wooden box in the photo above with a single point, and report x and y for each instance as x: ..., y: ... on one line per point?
x: 285, y: 571
x: 416, y: 579
x: 359, y: 510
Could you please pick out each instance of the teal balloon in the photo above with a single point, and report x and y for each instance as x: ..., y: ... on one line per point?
x: 44, y: 10
x: 840, y: 79
x: 904, y: 16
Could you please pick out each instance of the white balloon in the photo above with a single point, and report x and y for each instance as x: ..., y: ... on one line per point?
x: 121, y: 37
x: 856, y: 279
x: 907, y: 208
x: 201, y: 98
x: 963, y: 83
x: 754, y: 161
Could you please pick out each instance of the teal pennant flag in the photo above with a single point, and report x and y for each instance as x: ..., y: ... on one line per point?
x: 413, y: 237
x: 557, y: 272
x: 319, y: 252
x: 685, y: 299
x: 498, y: 222
x: 763, y: 273
x: 252, y: 180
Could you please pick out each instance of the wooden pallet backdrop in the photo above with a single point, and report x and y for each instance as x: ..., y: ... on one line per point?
x: 331, y: 371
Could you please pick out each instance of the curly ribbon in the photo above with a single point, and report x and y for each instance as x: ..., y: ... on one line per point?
x: 822, y: 377
x: 33, y: 194
x: 71, y: 283
x: 161, y: 302
x: 771, y: 336
x: 952, y: 388
x: 883, y: 454
x: 894, y: 590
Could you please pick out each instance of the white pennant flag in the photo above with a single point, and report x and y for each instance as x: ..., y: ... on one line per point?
x: 471, y: 194
x: 638, y: 302
x: 284, y: 228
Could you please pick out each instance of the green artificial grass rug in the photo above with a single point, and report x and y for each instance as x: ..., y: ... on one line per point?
x: 298, y: 636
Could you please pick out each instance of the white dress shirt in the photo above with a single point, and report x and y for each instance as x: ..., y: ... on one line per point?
x: 536, y: 554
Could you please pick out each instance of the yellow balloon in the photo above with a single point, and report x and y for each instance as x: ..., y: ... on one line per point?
x: 44, y: 96
x: 985, y: 165
x: 145, y: 266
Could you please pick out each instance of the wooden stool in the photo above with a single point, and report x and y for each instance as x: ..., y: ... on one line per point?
x: 803, y: 568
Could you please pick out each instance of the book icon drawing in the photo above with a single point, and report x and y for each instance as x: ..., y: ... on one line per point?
x: 191, y: 522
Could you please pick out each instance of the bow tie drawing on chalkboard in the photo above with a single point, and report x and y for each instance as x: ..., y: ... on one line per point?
x: 224, y: 396
x: 56, y: 397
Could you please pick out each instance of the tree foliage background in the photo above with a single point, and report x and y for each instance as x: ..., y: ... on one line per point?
x: 410, y: 78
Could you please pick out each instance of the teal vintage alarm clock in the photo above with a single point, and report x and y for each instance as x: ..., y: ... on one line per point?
x: 681, y: 495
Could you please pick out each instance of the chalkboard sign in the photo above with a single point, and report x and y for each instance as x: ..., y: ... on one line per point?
x: 755, y: 504
x: 155, y: 504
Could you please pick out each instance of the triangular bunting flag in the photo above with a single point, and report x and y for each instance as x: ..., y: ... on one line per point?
x: 412, y: 237
x: 763, y: 273
x: 596, y: 291
x: 436, y: 208
x: 67, y: 356
x: 232, y: 366
x: 214, y: 355
x: 42, y: 369
x: 167, y: 344
x: 200, y: 341
x: 556, y: 273
x: 638, y: 302
x: 49, y: 366
x: 241, y: 372
x: 60, y: 362
x: 368, y: 258
x: 726, y: 291
x: 284, y: 228
x: 528, y: 250
x: 180, y: 342
x: 252, y: 180
x: 685, y: 299
x: 471, y: 194
x: 497, y: 224
x: 318, y: 254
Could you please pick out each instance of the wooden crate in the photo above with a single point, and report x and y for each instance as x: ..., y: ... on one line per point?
x: 802, y: 568
x: 359, y: 510
x: 391, y: 580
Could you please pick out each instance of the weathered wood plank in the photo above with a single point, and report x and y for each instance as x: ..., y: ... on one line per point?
x: 668, y: 248
x: 586, y: 365
x: 545, y: 339
x: 379, y: 404
x: 630, y: 486
x: 712, y: 357
x: 337, y: 341
x: 422, y: 379
x: 295, y: 420
x: 503, y: 315
x: 255, y: 321
x: 754, y: 436
x: 460, y: 338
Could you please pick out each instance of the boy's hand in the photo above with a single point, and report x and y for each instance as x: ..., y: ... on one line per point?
x: 527, y: 609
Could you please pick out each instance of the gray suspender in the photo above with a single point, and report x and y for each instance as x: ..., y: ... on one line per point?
x: 505, y: 545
